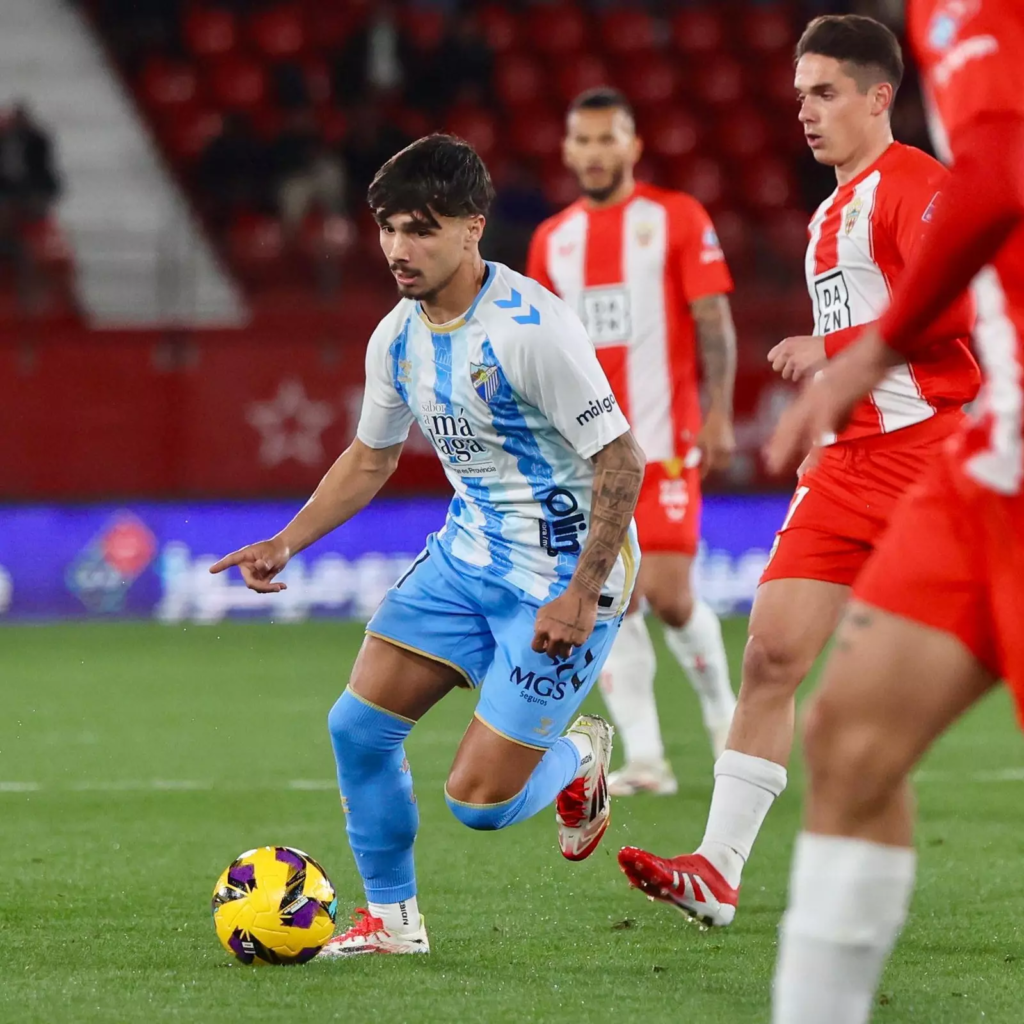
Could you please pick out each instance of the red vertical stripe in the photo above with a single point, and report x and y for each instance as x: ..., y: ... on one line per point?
x: 826, y: 252
x: 603, y: 264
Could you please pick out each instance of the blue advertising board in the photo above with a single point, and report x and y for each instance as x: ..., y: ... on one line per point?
x: 151, y: 560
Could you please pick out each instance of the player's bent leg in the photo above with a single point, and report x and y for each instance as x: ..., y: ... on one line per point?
x: 751, y: 773
x: 693, y: 634
x: 890, y: 688
x: 389, y: 689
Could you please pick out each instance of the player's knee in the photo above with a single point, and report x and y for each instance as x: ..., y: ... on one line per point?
x: 773, y: 662
x: 358, y: 728
x: 469, y: 787
x: 481, y: 816
x: 674, y: 609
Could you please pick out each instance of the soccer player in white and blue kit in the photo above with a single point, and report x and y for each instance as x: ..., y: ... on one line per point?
x: 520, y: 594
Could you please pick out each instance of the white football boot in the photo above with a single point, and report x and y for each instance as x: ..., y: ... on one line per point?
x: 635, y: 777
x: 584, y: 808
x: 368, y: 935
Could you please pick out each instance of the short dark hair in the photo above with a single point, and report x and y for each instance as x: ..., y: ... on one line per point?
x: 604, y: 97
x: 856, y: 39
x: 438, y: 174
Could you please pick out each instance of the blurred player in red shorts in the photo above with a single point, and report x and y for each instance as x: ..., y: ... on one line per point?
x: 861, y: 238
x: 643, y: 268
x: 939, y: 609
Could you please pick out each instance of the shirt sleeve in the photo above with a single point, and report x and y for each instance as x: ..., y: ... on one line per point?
x: 537, y: 258
x: 385, y: 418
x: 560, y: 375
x: 700, y: 259
x: 983, y: 203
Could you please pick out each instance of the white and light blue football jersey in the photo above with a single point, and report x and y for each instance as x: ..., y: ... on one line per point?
x: 515, y: 403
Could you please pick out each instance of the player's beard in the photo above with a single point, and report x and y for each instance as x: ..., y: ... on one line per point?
x: 601, y: 195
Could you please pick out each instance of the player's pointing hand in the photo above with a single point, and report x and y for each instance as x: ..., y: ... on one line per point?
x: 258, y: 563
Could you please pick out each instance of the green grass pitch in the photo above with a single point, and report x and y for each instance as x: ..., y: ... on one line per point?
x: 137, y: 760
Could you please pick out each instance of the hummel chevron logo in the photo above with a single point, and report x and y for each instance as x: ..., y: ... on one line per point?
x: 515, y: 301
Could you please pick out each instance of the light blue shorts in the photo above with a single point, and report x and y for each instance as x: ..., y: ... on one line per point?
x: 483, y: 626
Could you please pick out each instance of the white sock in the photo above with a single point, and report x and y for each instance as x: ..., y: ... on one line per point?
x: 848, y: 899
x: 699, y: 648
x: 399, y: 918
x: 627, y: 683
x: 745, y: 788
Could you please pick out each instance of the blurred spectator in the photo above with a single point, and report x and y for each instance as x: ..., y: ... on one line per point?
x: 234, y: 169
x: 371, y: 141
x: 290, y: 85
x: 443, y: 68
x: 372, y: 61
x: 306, y: 173
x: 28, y: 178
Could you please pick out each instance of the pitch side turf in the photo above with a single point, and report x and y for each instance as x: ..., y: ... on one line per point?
x: 137, y: 760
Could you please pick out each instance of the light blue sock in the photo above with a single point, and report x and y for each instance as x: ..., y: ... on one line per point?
x: 376, y: 786
x: 556, y: 770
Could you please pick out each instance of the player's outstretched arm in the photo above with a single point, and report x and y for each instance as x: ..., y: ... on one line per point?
x: 568, y: 620
x: 716, y: 335
x: 348, y: 487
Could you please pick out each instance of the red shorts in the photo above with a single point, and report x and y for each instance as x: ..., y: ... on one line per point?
x: 841, y: 508
x: 953, y: 559
x: 668, y: 510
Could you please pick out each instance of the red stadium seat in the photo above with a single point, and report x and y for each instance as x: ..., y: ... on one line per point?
x: 650, y: 81
x: 672, y: 134
x: 768, y: 185
x: 703, y: 179
x: 333, y: 124
x: 585, y: 72
x: 767, y: 30
x: 328, y: 24
x: 168, y: 85
x: 518, y: 80
x: 318, y: 78
x: 719, y: 82
x: 775, y: 86
x: 500, y: 28
x: 278, y: 32
x: 186, y: 132
x: 628, y: 31
x: 559, y: 30
x: 477, y: 126
x: 210, y: 31
x: 255, y: 243
x: 424, y: 26
x: 537, y: 133
x: 238, y: 83
x: 742, y: 135
x: 785, y: 234
x: 698, y: 31
x: 47, y: 244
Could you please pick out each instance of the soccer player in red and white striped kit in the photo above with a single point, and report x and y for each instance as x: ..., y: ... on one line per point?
x: 861, y: 238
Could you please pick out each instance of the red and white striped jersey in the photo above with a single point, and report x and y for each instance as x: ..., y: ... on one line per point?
x: 972, y: 56
x: 631, y: 271
x: 860, y: 240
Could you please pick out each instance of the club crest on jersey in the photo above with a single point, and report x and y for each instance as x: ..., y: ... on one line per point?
x: 852, y: 213
x: 485, y: 379
x: 404, y: 371
x: 644, y: 235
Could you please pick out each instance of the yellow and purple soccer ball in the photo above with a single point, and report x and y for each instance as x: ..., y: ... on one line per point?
x: 274, y: 905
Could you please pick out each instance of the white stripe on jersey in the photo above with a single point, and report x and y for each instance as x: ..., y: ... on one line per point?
x: 857, y: 291
x: 644, y: 252
x: 1002, y: 466
x: 566, y: 264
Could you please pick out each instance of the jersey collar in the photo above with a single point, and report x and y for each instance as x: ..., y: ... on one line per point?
x: 490, y: 272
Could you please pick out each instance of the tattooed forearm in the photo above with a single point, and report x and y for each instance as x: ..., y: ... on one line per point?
x: 618, y: 474
x: 716, y: 335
